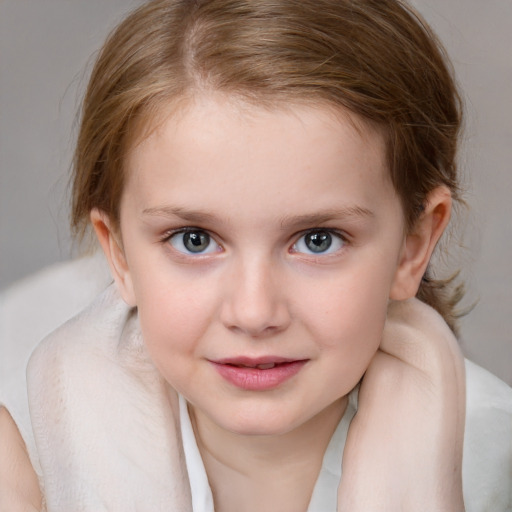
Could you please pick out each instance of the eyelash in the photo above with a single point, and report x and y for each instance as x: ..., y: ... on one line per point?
x: 169, y: 235
x: 333, y: 233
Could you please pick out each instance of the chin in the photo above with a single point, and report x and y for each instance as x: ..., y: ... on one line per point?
x: 259, y: 428
x: 262, y: 422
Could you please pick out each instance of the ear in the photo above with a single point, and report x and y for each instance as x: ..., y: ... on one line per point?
x: 420, y: 243
x: 110, y: 241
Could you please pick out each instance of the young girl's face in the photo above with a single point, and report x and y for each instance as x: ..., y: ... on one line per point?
x: 261, y: 249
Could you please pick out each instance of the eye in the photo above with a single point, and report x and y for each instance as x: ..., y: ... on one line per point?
x: 193, y: 241
x: 319, y: 241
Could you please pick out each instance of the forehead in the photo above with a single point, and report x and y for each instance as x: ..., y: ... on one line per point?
x: 155, y: 121
x: 215, y: 146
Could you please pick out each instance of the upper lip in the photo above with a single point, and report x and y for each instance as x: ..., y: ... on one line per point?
x: 255, y: 361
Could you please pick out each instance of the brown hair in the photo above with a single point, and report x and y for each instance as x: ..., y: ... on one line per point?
x: 376, y: 58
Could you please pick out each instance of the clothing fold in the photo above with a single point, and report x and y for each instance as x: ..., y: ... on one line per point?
x: 105, y: 423
x: 107, y: 433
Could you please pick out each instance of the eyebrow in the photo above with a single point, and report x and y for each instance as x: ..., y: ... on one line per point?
x: 311, y: 219
x: 183, y: 213
x: 317, y: 218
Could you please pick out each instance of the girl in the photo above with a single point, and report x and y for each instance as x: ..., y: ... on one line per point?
x: 268, y: 181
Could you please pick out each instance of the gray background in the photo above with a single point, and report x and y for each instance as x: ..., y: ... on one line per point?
x: 46, y: 52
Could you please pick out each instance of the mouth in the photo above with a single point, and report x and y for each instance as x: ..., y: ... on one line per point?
x: 253, y: 362
x: 258, y: 374
x: 266, y: 366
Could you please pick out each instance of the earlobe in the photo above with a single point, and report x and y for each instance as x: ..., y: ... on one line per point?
x: 110, y: 242
x: 420, y: 244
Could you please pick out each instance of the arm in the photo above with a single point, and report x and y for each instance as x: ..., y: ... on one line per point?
x: 404, y: 447
x: 19, y: 487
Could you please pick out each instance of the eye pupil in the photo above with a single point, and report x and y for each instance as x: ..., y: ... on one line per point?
x: 318, y: 241
x: 196, y: 241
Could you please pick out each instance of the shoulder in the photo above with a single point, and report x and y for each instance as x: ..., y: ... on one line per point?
x: 34, y: 306
x: 104, y: 422
x: 30, y: 309
x: 19, y: 486
x: 487, y: 463
x: 75, y: 358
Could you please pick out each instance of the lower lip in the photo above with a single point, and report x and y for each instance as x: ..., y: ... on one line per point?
x: 254, y: 379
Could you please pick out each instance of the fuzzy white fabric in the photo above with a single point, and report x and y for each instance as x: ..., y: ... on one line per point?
x: 105, y: 423
x: 105, y: 432
x: 31, y: 309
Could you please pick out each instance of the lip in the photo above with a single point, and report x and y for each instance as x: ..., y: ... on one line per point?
x: 243, y: 373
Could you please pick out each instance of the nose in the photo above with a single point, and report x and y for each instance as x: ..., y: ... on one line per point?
x: 255, y: 303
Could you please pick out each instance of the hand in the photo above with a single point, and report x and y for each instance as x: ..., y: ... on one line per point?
x: 19, y: 487
x: 404, y: 446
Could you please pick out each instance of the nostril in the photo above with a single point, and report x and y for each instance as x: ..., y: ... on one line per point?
x: 255, y: 332
x: 253, y: 304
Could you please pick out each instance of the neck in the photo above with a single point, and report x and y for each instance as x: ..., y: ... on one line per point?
x: 271, y: 473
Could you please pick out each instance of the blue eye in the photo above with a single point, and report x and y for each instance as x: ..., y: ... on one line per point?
x: 319, y: 242
x: 193, y: 241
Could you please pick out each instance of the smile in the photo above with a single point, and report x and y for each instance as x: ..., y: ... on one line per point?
x: 266, y: 366
x: 257, y: 374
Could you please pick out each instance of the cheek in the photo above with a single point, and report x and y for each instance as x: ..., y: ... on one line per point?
x: 359, y: 330
x: 351, y: 306
x: 347, y: 322
x: 174, y: 315
x: 171, y: 334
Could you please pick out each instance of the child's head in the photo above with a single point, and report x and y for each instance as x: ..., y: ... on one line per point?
x: 374, y: 58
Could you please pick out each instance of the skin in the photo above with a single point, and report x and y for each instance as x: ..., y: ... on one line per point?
x: 256, y: 181
x: 19, y: 486
x: 411, y: 412
x: 257, y: 293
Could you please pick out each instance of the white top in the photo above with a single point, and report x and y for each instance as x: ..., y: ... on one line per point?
x: 90, y: 383
x: 324, y: 496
